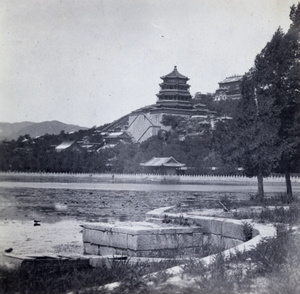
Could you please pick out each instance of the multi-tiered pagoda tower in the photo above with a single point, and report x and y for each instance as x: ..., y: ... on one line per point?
x: 174, y: 98
x: 174, y: 91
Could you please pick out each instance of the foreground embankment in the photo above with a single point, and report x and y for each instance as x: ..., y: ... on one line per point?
x: 60, y: 208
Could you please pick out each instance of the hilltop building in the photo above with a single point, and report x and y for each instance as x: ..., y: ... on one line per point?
x: 174, y: 98
x: 230, y: 88
x: 68, y: 145
x: 90, y: 147
x: 112, y: 139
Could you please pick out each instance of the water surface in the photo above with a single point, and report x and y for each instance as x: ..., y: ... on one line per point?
x: 147, y: 187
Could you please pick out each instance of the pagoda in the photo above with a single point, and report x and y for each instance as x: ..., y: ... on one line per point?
x: 174, y: 91
x: 174, y: 98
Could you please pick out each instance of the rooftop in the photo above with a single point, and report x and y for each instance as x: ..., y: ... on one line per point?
x: 64, y: 145
x: 175, y: 74
x: 232, y: 79
x: 163, y: 161
x: 115, y: 134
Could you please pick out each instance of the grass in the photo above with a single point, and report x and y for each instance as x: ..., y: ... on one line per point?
x: 62, y: 278
x: 278, y: 214
x: 277, y: 260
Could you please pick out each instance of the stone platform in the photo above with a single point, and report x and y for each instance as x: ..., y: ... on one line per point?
x: 141, y: 239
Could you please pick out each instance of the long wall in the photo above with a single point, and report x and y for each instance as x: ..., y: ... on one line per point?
x: 147, y: 178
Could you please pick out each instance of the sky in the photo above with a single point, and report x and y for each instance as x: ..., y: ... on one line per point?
x: 89, y: 62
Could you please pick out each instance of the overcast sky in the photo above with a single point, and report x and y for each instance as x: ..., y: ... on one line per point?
x: 89, y: 62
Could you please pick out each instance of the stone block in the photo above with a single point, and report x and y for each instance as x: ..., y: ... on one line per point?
x: 233, y: 230
x: 161, y: 253
x: 115, y: 239
x: 89, y: 248
x: 229, y: 242
x: 216, y: 227
x: 206, y: 239
x: 185, y: 240
x: 196, y: 229
x: 102, y: 238
x: 160, y: 241
x: 215, y: 240
x: 197, y: 240
x: 93, y: 236
x: 205, y: 223
x: 133, y: 253
x: 132, y: 242
x: 106, y: 238
x: 86, y: 235
x: 121, y: 251
x: 147, y: 242
x: 155, y: 242
x: 104, y: 250
x: 170, y: 241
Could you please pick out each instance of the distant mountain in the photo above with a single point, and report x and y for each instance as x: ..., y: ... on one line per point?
x: 12, y: 131
x: 9, y: 130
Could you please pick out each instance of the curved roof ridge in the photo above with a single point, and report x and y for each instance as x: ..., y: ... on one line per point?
x: 163, y: 161
x: 175, y: 74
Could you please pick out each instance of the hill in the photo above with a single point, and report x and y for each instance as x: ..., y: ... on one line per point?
x: 12, y: 131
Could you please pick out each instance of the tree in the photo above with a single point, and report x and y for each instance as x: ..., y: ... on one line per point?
x: 277, y: 76
x: 267, y: 124
x: 256, y: 130
x: 287, y: 87
x: 249, y: 140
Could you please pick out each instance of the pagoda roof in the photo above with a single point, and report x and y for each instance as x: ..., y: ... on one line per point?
x: 168, y: 92
x: 177, y: 83
x: 232, y: 79
x: 175, y: 74
x: 179, y: 104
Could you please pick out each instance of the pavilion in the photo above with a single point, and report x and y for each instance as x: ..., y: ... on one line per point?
x: 164, y: 166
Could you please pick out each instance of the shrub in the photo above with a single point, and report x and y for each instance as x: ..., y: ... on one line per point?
x: 270, y: 253
x: 218, y: 278
x: 247, y: 230
x: 227, y: 202
x: 287, y: 278
x: 280, y: 214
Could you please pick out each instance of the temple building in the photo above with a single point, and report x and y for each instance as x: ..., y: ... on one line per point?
x: 230, y: 88
x: 174, y: 98
x: 174, y: 91
x: 164, y: 166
